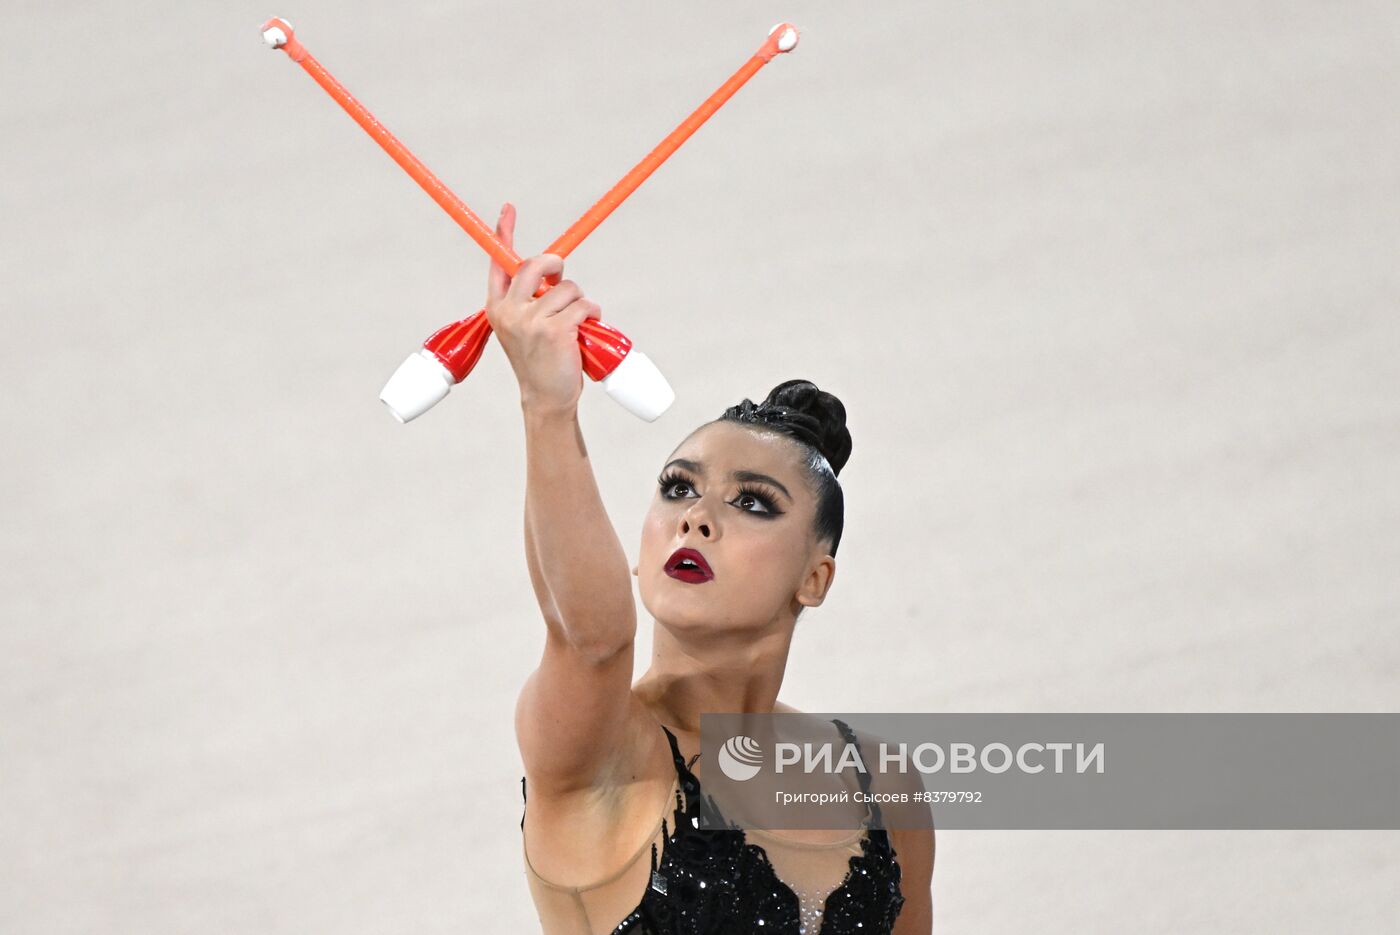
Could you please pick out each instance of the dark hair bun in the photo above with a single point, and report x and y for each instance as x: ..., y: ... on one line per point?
x: 800, y: 409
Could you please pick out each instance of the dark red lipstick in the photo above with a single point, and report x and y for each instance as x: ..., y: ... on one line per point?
x: 689, y: 566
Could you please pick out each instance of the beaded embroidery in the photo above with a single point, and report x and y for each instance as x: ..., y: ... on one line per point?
x: 713, y: 881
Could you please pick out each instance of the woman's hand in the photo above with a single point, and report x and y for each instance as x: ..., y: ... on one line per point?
x: 540, y: 335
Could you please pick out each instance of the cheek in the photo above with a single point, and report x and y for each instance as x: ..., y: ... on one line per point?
x: 655, y: 531
x: 755, y: 557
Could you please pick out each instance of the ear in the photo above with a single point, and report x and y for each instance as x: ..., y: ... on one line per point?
x: 817, y: 582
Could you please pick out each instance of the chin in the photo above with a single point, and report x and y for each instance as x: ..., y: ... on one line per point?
x: 680, y: 611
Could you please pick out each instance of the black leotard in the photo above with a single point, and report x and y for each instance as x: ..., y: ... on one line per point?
x: 714, y: 881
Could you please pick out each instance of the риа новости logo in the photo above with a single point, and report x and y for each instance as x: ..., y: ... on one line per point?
x: 740, y: 758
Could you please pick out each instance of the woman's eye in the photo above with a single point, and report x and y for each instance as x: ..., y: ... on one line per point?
x: 746, y: 501
x: 747, y: 498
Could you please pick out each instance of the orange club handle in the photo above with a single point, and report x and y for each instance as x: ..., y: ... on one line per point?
x: 278, y: 34
x: 781, y: 38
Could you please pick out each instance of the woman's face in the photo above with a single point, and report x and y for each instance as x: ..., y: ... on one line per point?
x: 755, y: 533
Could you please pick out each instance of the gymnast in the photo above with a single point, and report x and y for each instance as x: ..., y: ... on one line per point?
x: 740, y: 537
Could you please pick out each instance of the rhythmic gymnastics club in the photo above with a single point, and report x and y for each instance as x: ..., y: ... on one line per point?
x: 450, y: 353
x: 638, y: 385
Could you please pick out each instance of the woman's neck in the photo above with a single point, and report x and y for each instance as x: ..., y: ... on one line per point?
x: 685, y: 680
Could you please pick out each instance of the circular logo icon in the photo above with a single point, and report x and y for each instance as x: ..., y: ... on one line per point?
x: 740, y: 758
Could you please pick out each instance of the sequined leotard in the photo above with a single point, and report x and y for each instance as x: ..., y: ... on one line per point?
x: 717, y: 882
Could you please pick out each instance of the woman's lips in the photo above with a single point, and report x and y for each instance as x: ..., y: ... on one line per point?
x: 691, y: 574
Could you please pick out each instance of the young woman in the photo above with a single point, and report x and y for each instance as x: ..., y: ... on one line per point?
x: 741, y: 536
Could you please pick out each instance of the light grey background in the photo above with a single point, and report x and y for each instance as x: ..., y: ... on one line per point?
x: 1109, y: 290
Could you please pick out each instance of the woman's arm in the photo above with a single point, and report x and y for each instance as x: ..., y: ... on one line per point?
x: 571, y: 719
x: 571, y: 714
x: 579, y: 558
x: 577, y: 566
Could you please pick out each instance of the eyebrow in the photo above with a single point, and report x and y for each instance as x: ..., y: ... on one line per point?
x: 699, y: 468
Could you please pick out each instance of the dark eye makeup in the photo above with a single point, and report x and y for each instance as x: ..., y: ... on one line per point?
x: 760, y: 493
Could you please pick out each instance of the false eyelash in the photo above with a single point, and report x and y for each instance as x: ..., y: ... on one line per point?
x: 762, y: 494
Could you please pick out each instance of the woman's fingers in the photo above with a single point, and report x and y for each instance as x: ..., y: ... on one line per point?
x: 557, y: 299
x: 498, y: 281
x: 531, y: 274
x: 575, y: 312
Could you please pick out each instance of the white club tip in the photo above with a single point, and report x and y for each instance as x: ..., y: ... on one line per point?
x: 638, y: 386
x: 787, y: 41
x: 274, y: 37
x: 418, y: 385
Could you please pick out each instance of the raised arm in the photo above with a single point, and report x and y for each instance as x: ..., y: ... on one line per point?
x: 571, y: 714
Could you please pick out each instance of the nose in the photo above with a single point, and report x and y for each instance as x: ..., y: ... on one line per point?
x: 697, y: 518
